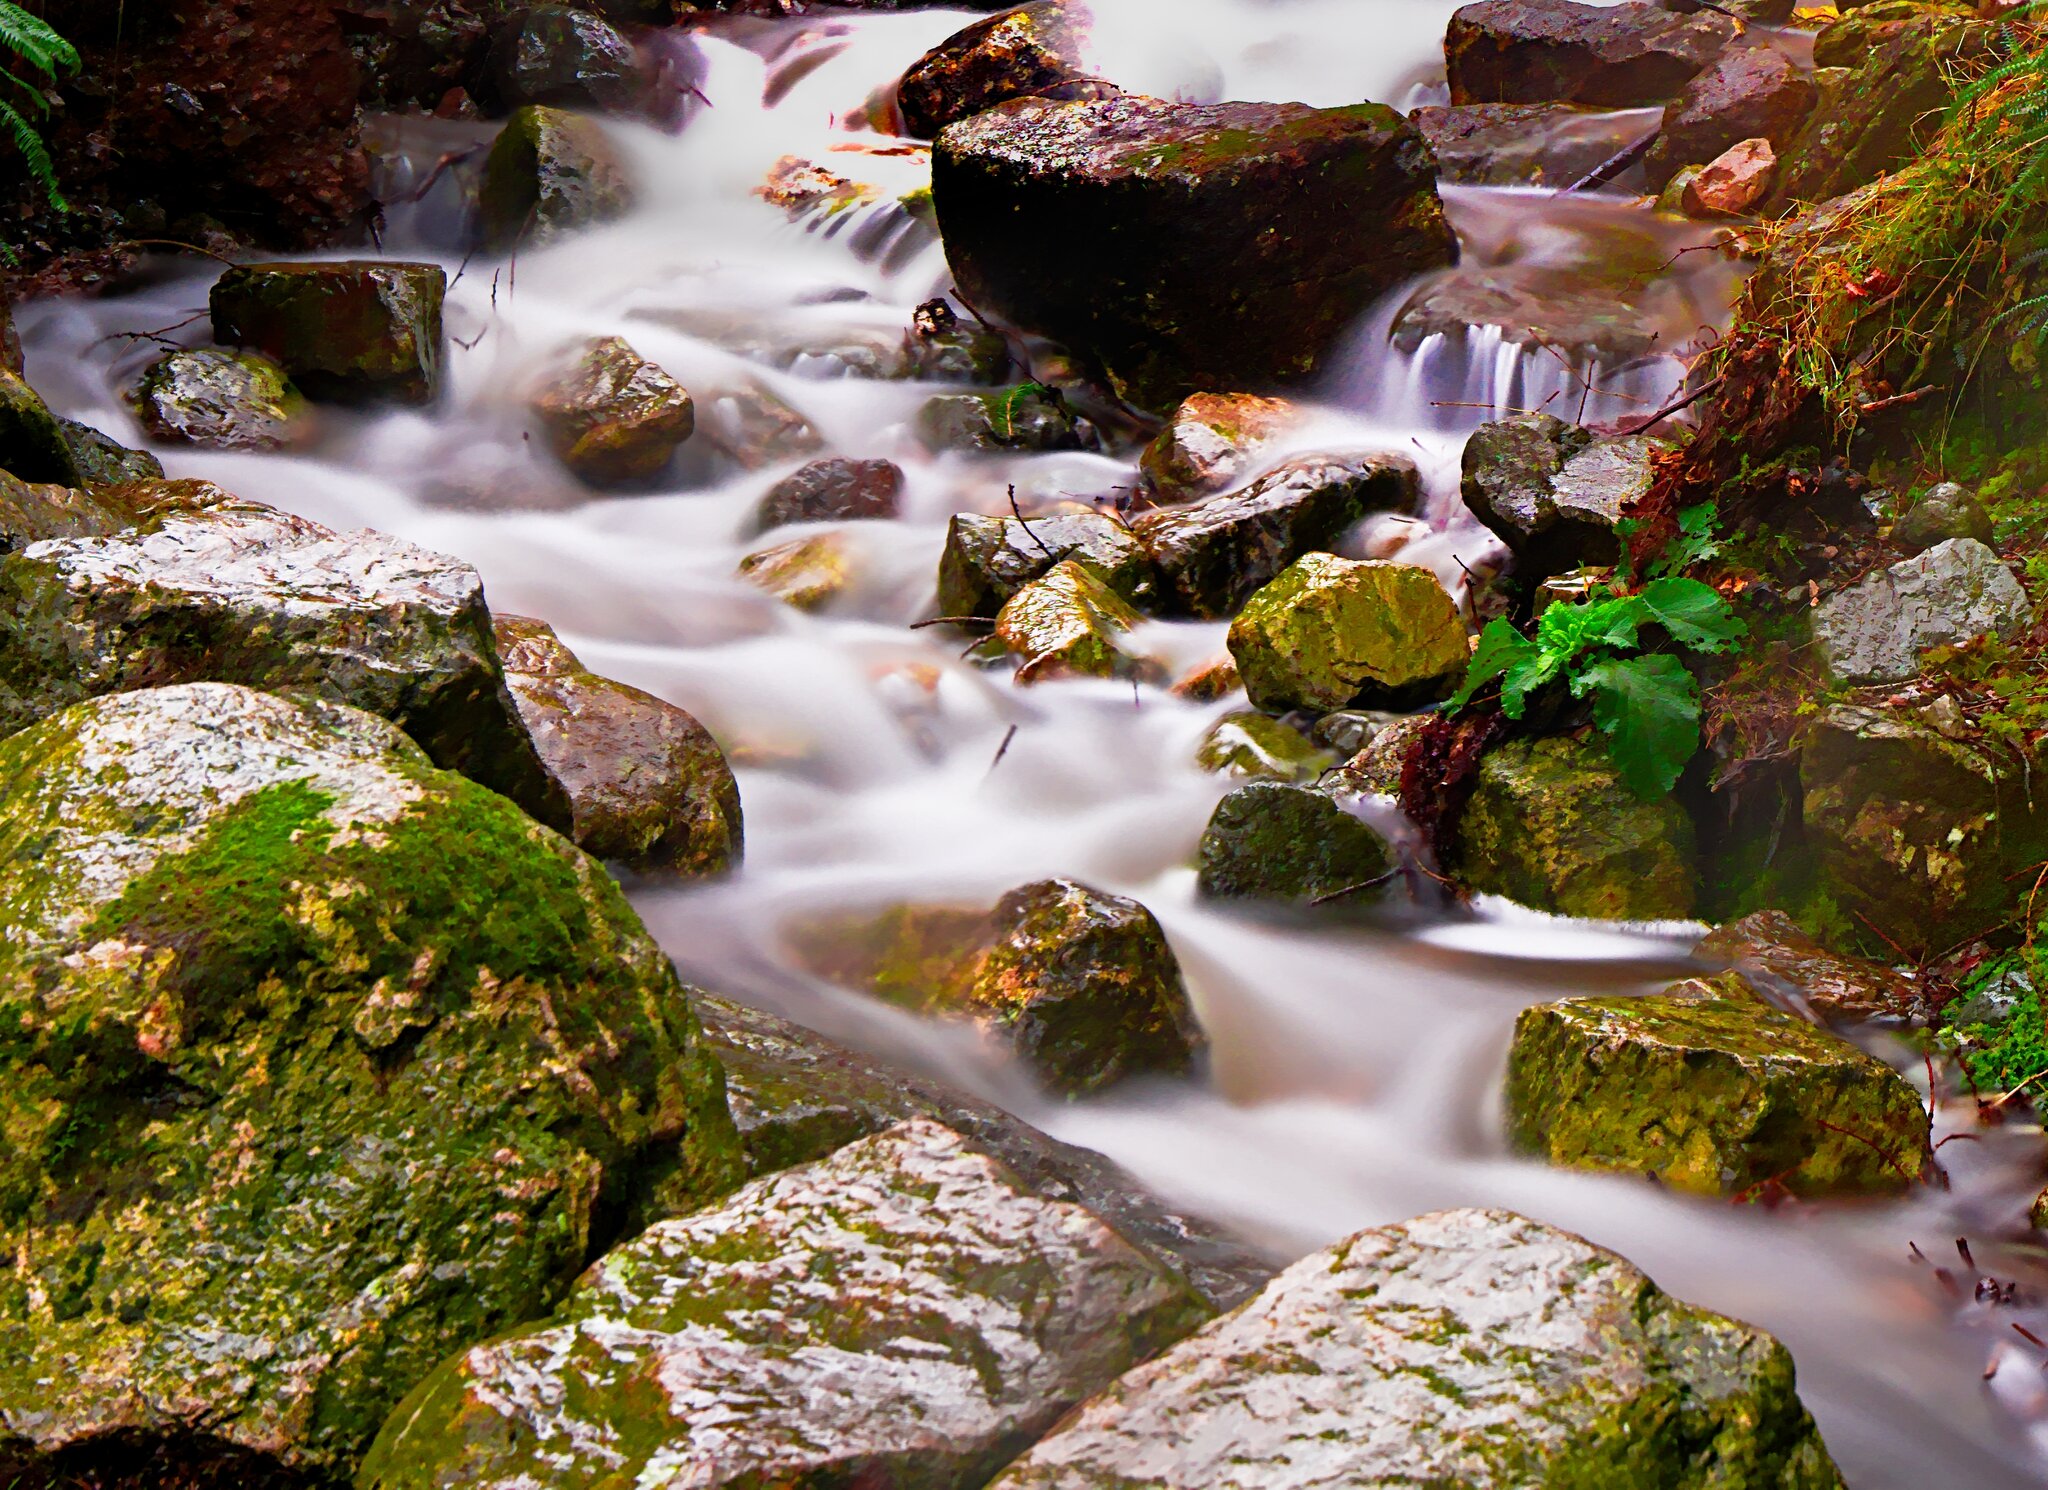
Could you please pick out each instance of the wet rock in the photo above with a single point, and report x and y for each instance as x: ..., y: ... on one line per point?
x: 645, y: 783
x: 1227, y: 243
x: 1330, y: 632
x: 322, y: 1063
x: 1213, y: 556
x: 1273, y: 841
x: 1069, y: 623
x: 903, y: 1313
x: 1711, y: 1090
x: 1876, y: 630
x: 1552, y: 491
x: 1771, y: 951
x: 233, y: 400
x: 1671, y: 200
x: 548, y: 174
x: 1463, y: 1347
x: 1211, y: 443
x: 32, y: 443
x: 1377, y: 765
x: 796, y: 1096
x: 1526, y: 144
x: 1732, y: 183
x: 103, y: 460
x: 1026, y: 417
x: 1946, y: 511
x: 205, y: 586
x: 1551, y: 825
x: 564, y: 58
x: 1248, y: 743
x: 10, y: 342
x: 1582, y: 315
x: 1750, y: 93
x: 613, y: 417
x: 805, y: 572
x: 1556, y: 51
x: 834, y: 490
x: 944, y: 350
x: 752, y: 427
x: 1912, y: 831
x: 989, y: 559
x: 348, y: 331
x: 1032, y: 51
x: 1206, y: 682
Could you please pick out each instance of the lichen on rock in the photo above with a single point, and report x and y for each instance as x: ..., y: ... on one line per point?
x: 1328, y: 632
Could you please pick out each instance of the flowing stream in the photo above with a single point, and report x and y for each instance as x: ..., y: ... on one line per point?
x: 1355, y: 1071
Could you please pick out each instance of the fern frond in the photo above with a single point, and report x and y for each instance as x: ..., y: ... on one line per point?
x: 32, y: 40
x: 30, y: 144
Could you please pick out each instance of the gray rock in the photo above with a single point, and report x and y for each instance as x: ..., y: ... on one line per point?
x: 1946, y: 510
x: 834, y: 490
x: 1558, y: 51
x: 988, y: 559
x: 563, y: 57
x: 1468, y: 1348
x: 905, y: 1313
x: 1523, y: 144
x: 1552, y: 492
x: 1876, y: 630
x: 1026, y: 417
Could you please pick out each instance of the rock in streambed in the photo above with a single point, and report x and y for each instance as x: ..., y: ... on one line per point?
x: 1329, y: 632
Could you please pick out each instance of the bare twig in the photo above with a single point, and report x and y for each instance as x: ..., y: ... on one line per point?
x: 1002, y: 749
x: 952, y: 621
x: 1018, y: 513
x: 1373, y: 883
x: 1672, y: 408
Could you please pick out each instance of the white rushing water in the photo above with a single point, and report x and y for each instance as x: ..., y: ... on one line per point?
x: 1355, y: 1071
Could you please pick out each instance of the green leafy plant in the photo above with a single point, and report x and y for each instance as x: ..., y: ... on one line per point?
x: 2006, y: 1056
x: 1646, y: 703
x: 31, y: 56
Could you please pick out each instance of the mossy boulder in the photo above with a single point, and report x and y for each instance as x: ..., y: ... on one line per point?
x: 1773, y: 952
x: 613, y: 417
x: 178, y: 581
x: 905, y: 1315
x: 645, y: 783
x: 1463, y: 1348
x: 988, y: 559
x: 1945, y: 510
x: 1551, y: 825
x: 564, y: 57
x: 102, y: 460
x: 548, y: 174
x: 1069, y: 623
x: 1275, y: 841
x: 1248, y: 743
x: 1211, y: 443
x: 1214, y: 555
x: 1226, y: 244
x: 32, y: 443
x: 1330, y: 632
x: 1031, y: 51
x: 230, y: 400
x: 320, y: 1063
x: 1877, y: 630
x: 1028, y: 416
x: 805, y: 573
x: 833, y: 490
x: 350, y: 331
x: 1711, y: 1090
x: 1558, y: 51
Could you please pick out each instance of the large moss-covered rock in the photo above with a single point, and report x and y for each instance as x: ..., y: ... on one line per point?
x: 1214, y: 555
x: 1211, y: 443
x: 1711, y: 1090
x: 232, y: 400
x: 904, y: 1315
x: 645, y: 783
x: 1027, y: 417
x: 1186, y: 247
x: 1248, y: 743
x: 350, y: 331
x: 205, y: 586
x: 613, y: 417
x: 1069, y: 623
x: 1032, y: 51
x: 1550, y: 824
x: 103, y: 460
x: 32, y: 443
x: 1558, y: 51
x: 1277, y: 841
x: 319, y: 1063
x: 1877, y: 629
x: 548, y: 174
x: 988, y: 559
x: 1463, y: 1348
x: 1331, y: 631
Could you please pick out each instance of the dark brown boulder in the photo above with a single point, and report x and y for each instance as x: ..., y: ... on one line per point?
x: 1557, y: 51
x: 1756, y: 93
x: 1186, y: 247
x: 1031, y: 52
x: 351, y: 331
x: 563, y: 57
x: 833, y: 490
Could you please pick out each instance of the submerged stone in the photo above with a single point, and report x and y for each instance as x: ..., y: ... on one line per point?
x: 645, y: 783
x: 989, y: 559
x: 1026, y: 417
x: 1558, y: 51
x: 1248, y: 743
x: 1467, y: 1348
x: 1186, y: 247
x: 1069, y: 623
x: 232, y: 400
x: 1524, y: 144
x: 1771, y: 951
x: 1280, y: 842
x: 752, y: 426
x: 1211, y: 442
x: 1031, y: 51
x: 1876, y: 630
x: 349, y: 331
x: 320, y: 1063
x: 549, y: 173
x: 834, y: 490
x: 613, y: 417
x: 1331, y: 631
x: 806, y: 573
x: 1711, y: 1090
x: 1551, y: 825
x: 1584, y: 315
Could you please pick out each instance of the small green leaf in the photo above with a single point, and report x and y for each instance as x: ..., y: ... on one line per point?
x: 1649, y: 709
x: 1695, y: 614
x: 1500, y: 647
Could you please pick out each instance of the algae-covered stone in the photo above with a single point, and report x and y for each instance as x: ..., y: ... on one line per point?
x: 988, y: 559
x: 1214, y: 555
x: 1211, y: 441
x: 350, y: 331
x: 1275, y: 841
x: 319, y: 1063
x: 1773, y: 952
x: 205, y: 586
x: 1946, y: 510
x: 613, y: 417
x: 904, y: 1315
x: 1026, y: 417
x: 1463, y: 1348
x: 1330, y: 632
x: 1711, y: 1090
x: 32, y: 443
x: 102, y: 460
x: 1031, y: 51
x: 805, y: 572
x: 1876, y: 630
x: 233, y: 400
x: 1551, y: 824
x: 1069, y: 623
x: 549, y: 173
x: 645, y: 783
x: 1248, y: 743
